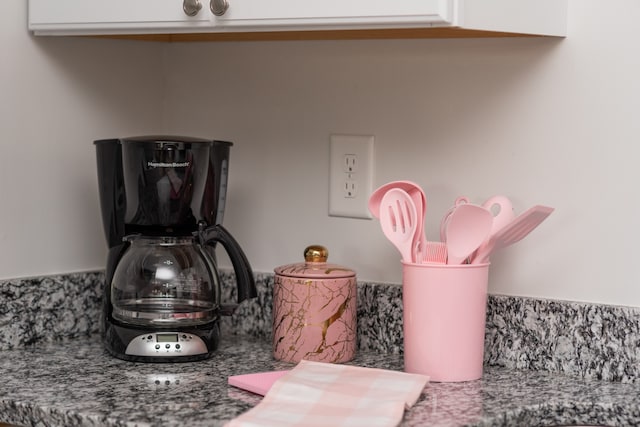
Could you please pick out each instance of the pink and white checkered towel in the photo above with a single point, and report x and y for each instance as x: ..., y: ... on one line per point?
x: 315, y: 394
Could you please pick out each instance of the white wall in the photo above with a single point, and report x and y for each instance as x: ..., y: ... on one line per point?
x: 56, y: 97
x: 543, y: 121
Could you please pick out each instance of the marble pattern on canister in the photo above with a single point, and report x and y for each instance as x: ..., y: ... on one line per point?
x: 49, y: 308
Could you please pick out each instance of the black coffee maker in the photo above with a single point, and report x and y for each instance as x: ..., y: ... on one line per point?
x: 162, y: 200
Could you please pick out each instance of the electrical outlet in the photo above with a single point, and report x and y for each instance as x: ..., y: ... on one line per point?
x: 350, y: 163
x: 350, y: 188
x: 350, y: 175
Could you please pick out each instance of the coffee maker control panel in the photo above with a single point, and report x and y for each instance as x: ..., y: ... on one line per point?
x: 166, y: 344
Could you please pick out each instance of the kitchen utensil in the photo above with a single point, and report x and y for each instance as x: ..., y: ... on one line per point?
x: 445, y: 219
x: 435, y: 253
x: 398, y: 219
x: 513, y: 232
x: 314, y: 310
x: 502, y: 211
x: 468, y: 226
x: 420, y: 202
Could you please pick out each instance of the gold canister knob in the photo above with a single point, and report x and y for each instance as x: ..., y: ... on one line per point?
x: 316, y: 253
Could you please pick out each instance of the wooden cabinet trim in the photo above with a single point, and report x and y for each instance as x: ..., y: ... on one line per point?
x: 398, y: 33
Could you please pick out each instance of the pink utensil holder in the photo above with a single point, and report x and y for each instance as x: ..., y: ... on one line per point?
x: 444, y: 312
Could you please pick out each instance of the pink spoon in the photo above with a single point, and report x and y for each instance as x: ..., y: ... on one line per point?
x: 468, y: 226
x: 445, y: 219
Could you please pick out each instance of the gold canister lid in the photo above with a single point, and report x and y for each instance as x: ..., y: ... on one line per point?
x: 315, y: 266
x: 316, y: 253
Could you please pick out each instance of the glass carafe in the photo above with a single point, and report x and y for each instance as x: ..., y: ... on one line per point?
x: 165, y: 282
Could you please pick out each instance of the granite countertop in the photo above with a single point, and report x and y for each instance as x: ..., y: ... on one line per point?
x: 76, y: 383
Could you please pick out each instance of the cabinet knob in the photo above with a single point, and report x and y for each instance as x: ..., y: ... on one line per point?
x: 191, y: 7
x: 219, y: 7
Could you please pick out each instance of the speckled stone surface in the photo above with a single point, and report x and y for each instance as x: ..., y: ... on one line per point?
x: 75, y: 383
x: 586, y: 340
x: 49, y: 308
x: 543, y: 362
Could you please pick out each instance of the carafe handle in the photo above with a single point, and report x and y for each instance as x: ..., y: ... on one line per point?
x: 241, y: 267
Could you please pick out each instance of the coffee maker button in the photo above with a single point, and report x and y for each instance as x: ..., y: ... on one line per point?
x: 157, y: 346
x: 150, y: 337
x: 167, y: 346
x: 177, y: 346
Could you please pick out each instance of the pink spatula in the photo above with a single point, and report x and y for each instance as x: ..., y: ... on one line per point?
x: 513, y: 232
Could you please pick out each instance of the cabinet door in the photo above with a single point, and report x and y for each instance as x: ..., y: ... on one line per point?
x: 85, y: 15
x: 328, y: 14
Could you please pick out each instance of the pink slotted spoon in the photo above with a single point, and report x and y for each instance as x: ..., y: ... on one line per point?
x: 398, y: 219
x: 419, y: 200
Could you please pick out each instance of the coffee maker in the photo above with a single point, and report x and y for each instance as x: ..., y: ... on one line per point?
x: 162, y: 200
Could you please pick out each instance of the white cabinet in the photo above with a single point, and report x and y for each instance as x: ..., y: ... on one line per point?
x: 335, y: 14
x: 136, y: 17
x: 112, y: 16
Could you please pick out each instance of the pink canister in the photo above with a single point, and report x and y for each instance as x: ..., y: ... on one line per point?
x: 314, y: 310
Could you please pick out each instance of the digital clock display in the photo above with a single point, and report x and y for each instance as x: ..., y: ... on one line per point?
x: 167, y: 337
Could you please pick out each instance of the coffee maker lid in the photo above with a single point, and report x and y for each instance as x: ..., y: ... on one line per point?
x: 145, y: 139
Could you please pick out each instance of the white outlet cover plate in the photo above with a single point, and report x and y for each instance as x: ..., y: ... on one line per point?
x: 355, y: 205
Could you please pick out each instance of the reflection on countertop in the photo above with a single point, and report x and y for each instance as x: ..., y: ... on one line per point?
x: 75, y: 383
